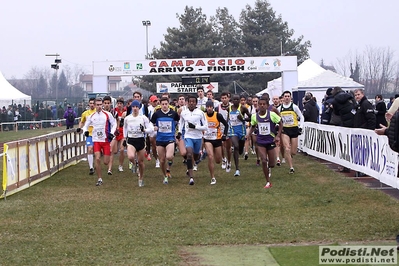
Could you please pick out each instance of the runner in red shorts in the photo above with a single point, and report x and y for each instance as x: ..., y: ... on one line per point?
x: 103, y: 124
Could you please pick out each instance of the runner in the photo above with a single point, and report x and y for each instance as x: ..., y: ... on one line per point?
x: 292, y: 127
x: 213, y: 138
x: 153, y: 102
x: 254, y: 146
x: 194, y: 122
x: 120, y: 109
x: 265, y: 121
x: 223, y: 109
x: 180, y: 142
x: 237, y: 130
x: 165, y: 121
x: 89, y: 140
x: 103, y: 124
x: 134, y: 129
x: 114, y: 149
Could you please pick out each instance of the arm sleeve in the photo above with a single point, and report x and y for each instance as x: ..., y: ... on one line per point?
x: 87, y: 124
x: 181, y: 124
x: 153, y: 119
x: 126, y: 120
x: 253, y: 120
x: 149, y: 128
x: 300, y: 116
x: 394, y: 107
x: 112, y: 122
x: 204, y: 123
x: 224, y: 122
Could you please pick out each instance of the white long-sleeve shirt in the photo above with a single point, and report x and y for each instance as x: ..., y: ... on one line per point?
x: 131, y: 126
x: 196, y: 117
x: 103, y: 124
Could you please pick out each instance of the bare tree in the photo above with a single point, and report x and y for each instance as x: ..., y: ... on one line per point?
x: 396, y: 78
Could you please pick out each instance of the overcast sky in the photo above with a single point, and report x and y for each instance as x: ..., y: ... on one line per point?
x: 92, y: 30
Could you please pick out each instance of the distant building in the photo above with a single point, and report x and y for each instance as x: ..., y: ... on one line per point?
x: 86, y: 82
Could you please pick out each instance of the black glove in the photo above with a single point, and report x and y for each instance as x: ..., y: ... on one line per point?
x: 111, y: 137
x: 178, y: 136
x: 191, y: 125
x: 223, y: 137
x: 300, y: 131
x: 86, y: 134
x: 124, y: 143
x: 78, y: 129
x: 141, y: 128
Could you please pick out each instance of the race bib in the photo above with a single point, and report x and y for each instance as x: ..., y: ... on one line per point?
x: 264, y: 128
x: 165, y: 126
x: 234, y: 120
x: 211, y: 133
x: 288, y: 120
x: 99, y: 134
x: 134, y: 132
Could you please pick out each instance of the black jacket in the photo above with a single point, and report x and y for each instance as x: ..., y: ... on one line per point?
x: 365, y: 116
x: 392, y: 132
x: 343, y: 106
x: 310, y: 112
x: 380, y: 110
x: 326, y: 109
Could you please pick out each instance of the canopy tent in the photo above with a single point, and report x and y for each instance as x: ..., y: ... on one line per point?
x: 320, y: 83
x: 10, y: 95
x: 328, y: 79
x: 307, y: 70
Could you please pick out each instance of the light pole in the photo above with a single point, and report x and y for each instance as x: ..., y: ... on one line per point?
x: 56, y: 67
x: 146, y: 24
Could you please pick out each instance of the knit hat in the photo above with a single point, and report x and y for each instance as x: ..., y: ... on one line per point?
x: 135, y: 103
x: 329, y: 91
x: 209, y: 104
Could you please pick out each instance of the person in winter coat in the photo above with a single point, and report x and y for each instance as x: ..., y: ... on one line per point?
x: 310, y: 111
x: 380, y: 110
x: 326, y: 107
x: 69, y: 116
x: 365, y: 116
x: 343, y: 108
x: 391, y: 132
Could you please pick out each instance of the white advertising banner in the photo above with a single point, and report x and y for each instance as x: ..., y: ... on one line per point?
x: 358, y: 149
x: 178, y: 87
x: 195, y: 66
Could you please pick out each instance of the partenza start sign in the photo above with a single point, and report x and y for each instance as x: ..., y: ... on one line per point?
x: 195, y: 66
x: 177, y: 87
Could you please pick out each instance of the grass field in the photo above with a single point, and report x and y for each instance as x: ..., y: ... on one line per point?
x: 67, y: 220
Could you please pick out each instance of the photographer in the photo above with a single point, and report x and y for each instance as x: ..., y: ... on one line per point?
x: 326, y: 108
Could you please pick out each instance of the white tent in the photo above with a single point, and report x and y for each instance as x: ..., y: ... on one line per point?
x: 328, y: 79
x: 10, y: 95
x: 318, y: 85
x: 307, y: 70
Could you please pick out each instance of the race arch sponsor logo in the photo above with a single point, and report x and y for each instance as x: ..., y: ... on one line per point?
x: 111, y: 68
x: 277, y: 62
x: 163, y: 88
x: 252, y: 65
x: 126, y: 65
x: 139, y: 66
